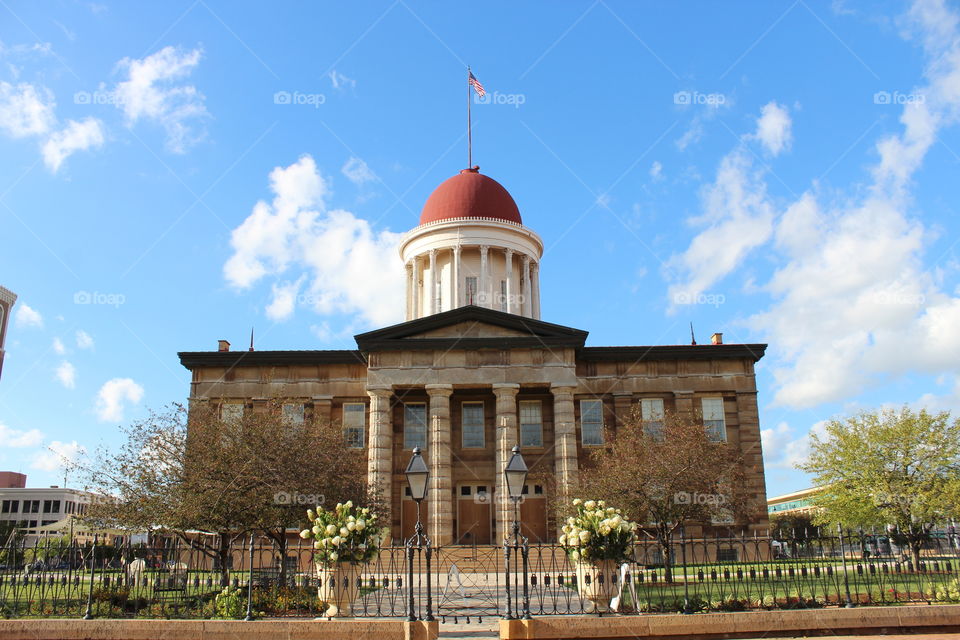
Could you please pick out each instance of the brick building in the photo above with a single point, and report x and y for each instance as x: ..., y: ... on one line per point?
x: 474, y: 370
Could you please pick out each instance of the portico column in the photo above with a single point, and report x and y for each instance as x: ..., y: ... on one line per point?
x: 440, y: 526
x: 508, y: 255
x: 527, y: 290
x: 506, y: 438
x: 565, y: 441
x: 409, y: 267
x: 535, y: 289
x: 455, y: 283
x: 380, y: 452
x: 434, y: 283
x: 484, y: 296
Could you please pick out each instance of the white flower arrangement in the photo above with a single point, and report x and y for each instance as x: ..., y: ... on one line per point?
x: 597, y: 532
x: 344, y: 534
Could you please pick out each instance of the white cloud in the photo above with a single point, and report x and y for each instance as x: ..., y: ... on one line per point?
x: 113, y: 396
x: 774, y: 440
x: 774, y: 128
x: 17, y: 439
x: 284, y: 299
x: 67, y: 375
x: 26, y: 316
x: 656, y: 171
x: 349, y: 267
x: 57, y: 456
x: 151, y: 92
x: 358, y: 172
x: 84, y: 340
x: 738, y: 217
x: 58, y: 347
x: 25, y: 110
x: 340, y: 81
x: 76, y: 136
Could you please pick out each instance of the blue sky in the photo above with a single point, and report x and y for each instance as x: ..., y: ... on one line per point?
x: 175, y: 173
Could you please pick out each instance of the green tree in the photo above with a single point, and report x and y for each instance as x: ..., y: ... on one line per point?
x: 894, y: 467
x: 666, y: 474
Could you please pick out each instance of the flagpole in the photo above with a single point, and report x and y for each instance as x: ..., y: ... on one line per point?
x: 469, y: 126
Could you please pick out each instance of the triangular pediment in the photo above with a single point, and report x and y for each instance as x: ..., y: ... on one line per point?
x: 470, y: 327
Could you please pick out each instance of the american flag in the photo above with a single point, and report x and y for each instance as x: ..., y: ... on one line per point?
x: 473, y: 82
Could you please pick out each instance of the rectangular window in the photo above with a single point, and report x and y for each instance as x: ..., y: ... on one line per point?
x: 231, y: 411
x: 531, y: 424
x: 11, y: 506
x: 31, y: 506
x: 354, y: 422
x: 47, y: 506
x: 415, y: 425
x: 56, y: 507
x: 293, y: 413
x: 591, y: 422
x: 46, y: 522
x: 651, y: 412
x: 713, y: 419
x: 471, y: 425
x: 470, y: 290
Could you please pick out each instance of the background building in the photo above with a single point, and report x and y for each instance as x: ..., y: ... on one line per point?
x: 7, y: 300
x: 796, y: 502
x: 474, y: 371
x: 33, y: 509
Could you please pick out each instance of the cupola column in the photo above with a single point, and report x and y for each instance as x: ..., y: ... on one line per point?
x: 432, y: 290
x: 455, y: 279
x: 535, y: 288
x: 508, y: 255
x: 527, y: 290
x: 484, y: 297
x: 417, y: 294
x: 410, y: 312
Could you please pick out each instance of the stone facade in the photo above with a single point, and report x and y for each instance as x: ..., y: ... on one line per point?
x: 456, y: 384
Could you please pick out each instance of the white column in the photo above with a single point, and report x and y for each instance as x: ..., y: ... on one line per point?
x: 535, y: 288
x: 483, y: 296
x: 508, y: 255
x: 417, y: 306
x: 455, y: 279
x: 527, y: 293
x: 380, y: 451
x: 432, y: 303
x: 409, y: 267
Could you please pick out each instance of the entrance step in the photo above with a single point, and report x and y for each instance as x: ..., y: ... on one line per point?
x: 475, y: 631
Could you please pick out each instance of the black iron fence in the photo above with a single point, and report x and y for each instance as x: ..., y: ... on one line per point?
x: 174, y: 579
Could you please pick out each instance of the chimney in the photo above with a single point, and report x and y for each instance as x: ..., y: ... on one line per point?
x: 716, y: 338
x: 223, y: 345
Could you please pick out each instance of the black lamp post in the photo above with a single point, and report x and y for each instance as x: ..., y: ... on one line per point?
x: 418, y: 478
x: 515, y: 475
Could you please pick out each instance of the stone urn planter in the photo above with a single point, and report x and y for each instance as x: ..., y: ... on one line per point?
x: 339, y: 587
x: 596, y: 582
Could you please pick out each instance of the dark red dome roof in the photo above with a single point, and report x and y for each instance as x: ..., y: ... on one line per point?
x: 470, y: 194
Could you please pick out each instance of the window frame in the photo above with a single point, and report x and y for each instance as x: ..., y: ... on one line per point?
x: 524, y: 444
x: 583, y: 431
x: 463, y: 425
x: 229, y: 418
x: 649, y: 417
x: 710, y: 424
x: 353, y: 443
x: 299, y: 418
x: 407, y: 445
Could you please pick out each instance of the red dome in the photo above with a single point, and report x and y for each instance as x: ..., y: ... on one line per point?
x: 470, y: 195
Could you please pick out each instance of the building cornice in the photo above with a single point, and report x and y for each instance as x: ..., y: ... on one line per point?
x: 198, y: 359
x: 7, y: 296
x: 751, y: 352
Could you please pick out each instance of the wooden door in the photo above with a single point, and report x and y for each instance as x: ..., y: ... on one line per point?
x: 474, y: 514
x: 533, y: 514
